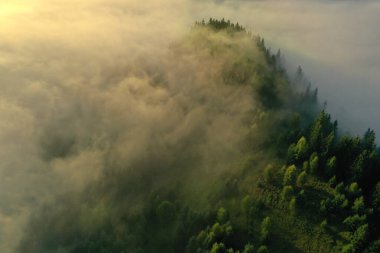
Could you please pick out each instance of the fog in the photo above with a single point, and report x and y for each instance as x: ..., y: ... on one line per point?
x: 336, y: 43
x: 101, y: 100
x: 89, y: 85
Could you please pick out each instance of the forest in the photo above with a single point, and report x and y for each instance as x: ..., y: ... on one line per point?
x: 264, y: 169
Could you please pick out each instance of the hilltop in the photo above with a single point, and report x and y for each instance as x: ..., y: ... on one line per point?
x: 236, y: 155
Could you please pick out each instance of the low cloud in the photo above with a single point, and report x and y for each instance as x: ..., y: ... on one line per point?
x: 94, y: 89
x: 336, y: 43
x: 105, y: 97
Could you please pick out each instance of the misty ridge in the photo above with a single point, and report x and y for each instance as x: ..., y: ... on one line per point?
x: 166, y: 121
x: 152, y: 137
x: 177, y: 121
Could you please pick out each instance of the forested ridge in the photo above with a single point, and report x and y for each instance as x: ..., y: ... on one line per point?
x: 299, y: 184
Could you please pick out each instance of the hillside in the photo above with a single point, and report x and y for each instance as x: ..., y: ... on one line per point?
x: 214, y: 148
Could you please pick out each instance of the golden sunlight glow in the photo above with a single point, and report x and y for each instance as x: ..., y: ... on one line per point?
x: 10, y: 8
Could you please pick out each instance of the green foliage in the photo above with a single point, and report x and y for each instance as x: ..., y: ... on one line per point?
x: 166, y: 212
x: 285, y: 130
x: 249, y: 248
x: 290, y: 175
x: 358, y: 206
x: 265, y: 229
x: 301, y: 198
x: 322, y: 134
x: 218, y: 248
x: 266, y: 223
x: 341, y: 200
x: 331, y: 167
x: 348, y: 248
x: 262, y: 249
x: 291, y: 154
x: 211, y: 239
x: 221, y: 231
x: 287, y: 193
x: 359, y: 238
x: 269, y: 174
x: 324, y: 224
x: 369, y: 140
x: 374, y: 247
x: 251, y: 209
x: 334, y: 205
x: 301, y: 179
x: 314, y: 163
x: 305, y: 166
x: 354, y: 221
x: 222, y: 24
x: 376, y: 197
x: 302, y: 148
x: 222, y: 215
x: 332, y: 181
x: 339, y: 188
x: 246, y: 204
x: 293, y: 205
x: 354, y: 190
x: 268, y: 93
x: 361, y: 163
x: 347, y: 150
x: 324, y: 206
x: 298, y: 152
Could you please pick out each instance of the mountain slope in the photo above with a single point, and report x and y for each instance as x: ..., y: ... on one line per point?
x: 214, y: 148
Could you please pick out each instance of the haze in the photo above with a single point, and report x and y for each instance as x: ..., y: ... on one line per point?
x: 336, y: 43
x: 58, y: 56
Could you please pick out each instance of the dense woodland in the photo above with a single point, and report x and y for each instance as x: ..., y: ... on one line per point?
x: 301, y: 186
